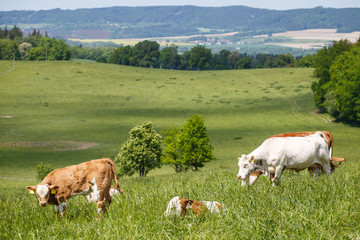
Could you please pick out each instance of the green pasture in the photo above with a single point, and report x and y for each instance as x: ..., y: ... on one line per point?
x: 49, y: 109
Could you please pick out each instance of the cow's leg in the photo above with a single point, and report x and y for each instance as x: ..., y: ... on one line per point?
x: 101, y: 207
x: 276, y: 179
x: 326, y: 168
x: 62, y: 208
x: 315, y: 169
x: 57, y: 209
x: 103, y: 202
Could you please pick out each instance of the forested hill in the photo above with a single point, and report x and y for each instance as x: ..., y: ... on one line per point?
x: 138, y: 22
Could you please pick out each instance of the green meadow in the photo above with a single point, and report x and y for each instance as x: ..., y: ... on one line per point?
x: 65, y: 113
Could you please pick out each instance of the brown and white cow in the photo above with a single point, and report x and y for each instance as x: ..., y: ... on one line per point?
x: 178, y: 206
x: 277, y: 153
x: 316, y: 168
x: 89, y: 177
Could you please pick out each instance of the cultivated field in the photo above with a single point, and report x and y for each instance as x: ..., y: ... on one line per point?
x: 65, y: 113
x: 313, y: 38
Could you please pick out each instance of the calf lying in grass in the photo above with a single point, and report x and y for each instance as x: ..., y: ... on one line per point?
x: 178, y: 206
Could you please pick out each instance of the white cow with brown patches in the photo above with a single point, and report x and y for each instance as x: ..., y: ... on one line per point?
x: 277, y: 153
x: 89, y: 177
x: 314, y: 169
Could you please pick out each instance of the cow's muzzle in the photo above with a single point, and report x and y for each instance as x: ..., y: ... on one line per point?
x: 240, y: 178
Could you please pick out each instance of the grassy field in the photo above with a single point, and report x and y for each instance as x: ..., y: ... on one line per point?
x: 49, y: 110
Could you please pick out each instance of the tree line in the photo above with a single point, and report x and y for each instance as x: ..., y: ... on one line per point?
x: 337, y: 90
x: 35, y: 46
x: 148, y: 54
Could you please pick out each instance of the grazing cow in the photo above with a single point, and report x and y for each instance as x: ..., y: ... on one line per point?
x: 89, y: 177
x: 316, y: 168
x: 178, y: 206
x: 113, y: 192
x: 277, y: 153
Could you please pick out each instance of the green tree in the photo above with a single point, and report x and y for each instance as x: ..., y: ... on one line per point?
x: 220, y: 60
x: 233, y: 58
x: 284, y: 60
x: 244, y: 63
x: 342, y: 99
x: 194, y: 143
x: 184, y: 60
x: 146, y: 54
x: 200, y: 58
x: 56, y: 49
x: 306, y: 62
x: 169, y: 58
x: 24, y: 48
x: 141, y: 152
x: 15, y: 32
x: 323, y: 61
x: 121, y: 55
x: 172, y: 150
x: 37, y: 53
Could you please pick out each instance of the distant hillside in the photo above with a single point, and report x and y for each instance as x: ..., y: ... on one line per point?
x: 140, y: 22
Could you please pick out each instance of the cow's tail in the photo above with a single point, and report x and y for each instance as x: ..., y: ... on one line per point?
x: 117, y: 185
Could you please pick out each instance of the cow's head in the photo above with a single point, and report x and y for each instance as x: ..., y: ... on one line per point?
x: 43, y: 192
x: 185, y: 205
x: 247, y: 165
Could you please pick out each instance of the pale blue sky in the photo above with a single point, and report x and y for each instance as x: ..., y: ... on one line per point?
x: 8, y: 5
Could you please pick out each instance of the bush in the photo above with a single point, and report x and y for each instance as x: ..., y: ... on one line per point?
x: 189, y: 147
x: 42, y: 170
x: 141, y: 153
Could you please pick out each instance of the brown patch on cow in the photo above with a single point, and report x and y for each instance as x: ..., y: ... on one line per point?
x: 256, y: 174
x: 184, y: 202
x: 49, y: 145
x: 218, y: 206
x: 198, y: 207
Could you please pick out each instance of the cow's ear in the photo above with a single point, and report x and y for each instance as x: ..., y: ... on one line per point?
x: 53, y: 189
x: 31, y: 189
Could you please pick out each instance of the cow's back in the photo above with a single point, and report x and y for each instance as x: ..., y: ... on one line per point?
x: 78, y: 178
x: 297, y: 152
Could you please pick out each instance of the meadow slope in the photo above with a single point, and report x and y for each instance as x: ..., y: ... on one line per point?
x: 69, y: 112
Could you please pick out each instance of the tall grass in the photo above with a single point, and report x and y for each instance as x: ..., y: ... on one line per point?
x: 92, y: 102
x: 301, y: 208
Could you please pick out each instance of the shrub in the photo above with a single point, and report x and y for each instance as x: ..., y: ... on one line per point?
x: 42, y: 170
x: 141, y: 152
x: 189, y: 147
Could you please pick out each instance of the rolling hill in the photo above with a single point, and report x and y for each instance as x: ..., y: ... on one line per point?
x: 48, y: 108
x: 164, y: 21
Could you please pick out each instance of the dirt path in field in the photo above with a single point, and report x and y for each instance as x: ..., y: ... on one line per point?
x: 7, y: 117
x: 50, y: 145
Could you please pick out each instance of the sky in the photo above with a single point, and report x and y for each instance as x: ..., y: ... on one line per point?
x: 8, y: 5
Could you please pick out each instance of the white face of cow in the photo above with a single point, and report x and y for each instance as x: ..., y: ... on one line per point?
x: 42, y: 192
x: 246, y: 167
